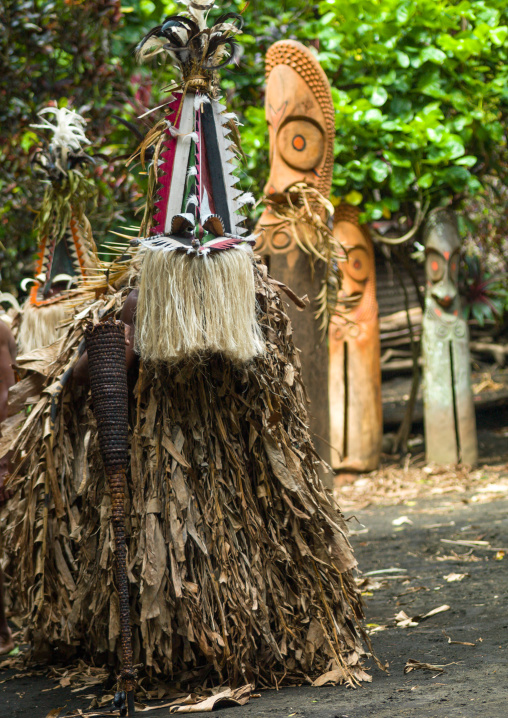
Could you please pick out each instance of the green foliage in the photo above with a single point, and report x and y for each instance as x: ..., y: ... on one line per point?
x: 420, y: 89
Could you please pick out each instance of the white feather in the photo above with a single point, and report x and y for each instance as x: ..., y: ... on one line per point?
x: 246, y: 198
x: 174, y: 132
x: 198, y: 13
x: 231, y: 116
x: 200, y: 100
x: 67, y: 128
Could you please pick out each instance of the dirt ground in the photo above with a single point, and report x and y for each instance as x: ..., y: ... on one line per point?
x: 425, y: 539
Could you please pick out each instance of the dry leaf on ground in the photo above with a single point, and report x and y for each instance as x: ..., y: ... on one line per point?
x: 412, y: 665
x: 458, y: 643
x: 439, y: 609
x: 401, y: 520
x: 452, y: 577
x: 375, y: 628
x: 405, y: 621
x: 463, y: 557
x: 224, y: 699
x: 485, y: 545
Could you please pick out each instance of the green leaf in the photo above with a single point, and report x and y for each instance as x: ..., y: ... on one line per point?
x: 28, y: 140
x: 400, y: 180
x: 373, y: 116
x: 402, y: 58
x: 430, y: 83
x: 426, y: 180
x: 396, y: 159
x: 379, y: 96
x: 498, y: 35
x: 433, y: 54
x: 481, y: 312
x: 467, y: 161
x: 403, y: 12
x: 457, y: 177
x: 379, y: 170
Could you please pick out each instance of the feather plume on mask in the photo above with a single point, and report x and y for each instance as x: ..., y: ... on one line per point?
x: 68, y: 129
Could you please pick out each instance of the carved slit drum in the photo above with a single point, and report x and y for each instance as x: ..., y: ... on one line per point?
x: 356, y: 422
x: 105, y: 344
x: 449, y: 416
x: 293, y: 234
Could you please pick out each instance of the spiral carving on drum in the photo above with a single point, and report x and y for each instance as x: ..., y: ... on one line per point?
x: 442, y: 331
x: 460, y: 330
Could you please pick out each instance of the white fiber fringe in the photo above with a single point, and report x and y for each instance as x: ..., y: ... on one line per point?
x: 192, y: 305
x: 40, y: 326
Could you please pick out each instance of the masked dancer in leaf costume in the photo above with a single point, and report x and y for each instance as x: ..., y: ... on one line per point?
x: 239, y: 563
x: 66, y: 252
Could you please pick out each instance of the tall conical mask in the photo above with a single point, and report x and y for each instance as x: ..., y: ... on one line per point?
x: 196, y: 260
x: 66, y: 250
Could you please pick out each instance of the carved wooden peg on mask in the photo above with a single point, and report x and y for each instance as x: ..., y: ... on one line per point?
x: 450, y: 424
x: 356, y: 423
x: 300, y: 117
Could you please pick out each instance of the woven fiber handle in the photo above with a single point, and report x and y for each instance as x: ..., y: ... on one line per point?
x: 107, y: 367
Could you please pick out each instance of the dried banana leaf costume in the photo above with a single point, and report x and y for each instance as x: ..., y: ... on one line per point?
x: 238, y: 561
x: 67, y: 254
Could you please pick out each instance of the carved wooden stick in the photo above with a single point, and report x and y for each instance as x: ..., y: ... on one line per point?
x: 105, y: 344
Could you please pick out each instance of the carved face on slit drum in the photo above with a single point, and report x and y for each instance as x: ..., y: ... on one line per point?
x: 354, y: 353
x: 300, y: 116
x: 449, y: 416
x: 442, y: 250
x: 300, y: 124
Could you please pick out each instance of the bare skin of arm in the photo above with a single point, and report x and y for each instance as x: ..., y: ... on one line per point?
x: 7, y: 379
x: 127, y: 316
